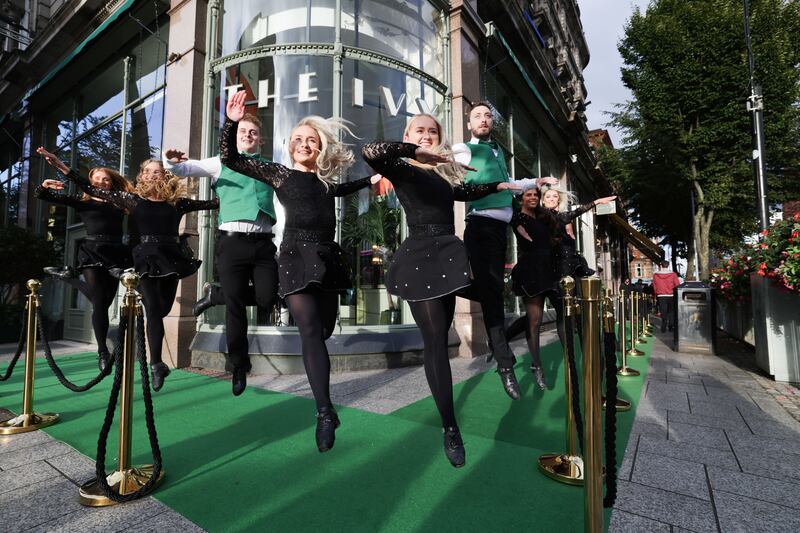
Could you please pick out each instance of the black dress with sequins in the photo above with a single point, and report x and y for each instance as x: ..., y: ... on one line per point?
x: 432, y: 261
x: 103, y: 246
x: 568, y: 261
x: 308, y: 255
x: 160, y: 253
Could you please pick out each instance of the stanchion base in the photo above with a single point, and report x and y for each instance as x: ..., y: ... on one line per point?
x: 622, y: 405
x: 122, y: 482
x: 25, y: 423
x: 562, y: 468
x: 635, y: 353
x: 627, y: 371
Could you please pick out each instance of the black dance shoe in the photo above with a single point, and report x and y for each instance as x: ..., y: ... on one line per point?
x: 203, y: 303
x: 454, y: 447
x: 104, y: 360
x: 117, y: 272
x: 66, y: 272
x: 160, y: 372
x: 538, y: 376
x: 327, y: 422
x: 509, y: 380
x: 239, y: 381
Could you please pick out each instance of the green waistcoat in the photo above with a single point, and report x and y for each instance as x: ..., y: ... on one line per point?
x: 240, y: 197
x: 490, y: 169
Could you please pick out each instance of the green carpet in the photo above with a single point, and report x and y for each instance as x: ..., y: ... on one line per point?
x: 250, y: 463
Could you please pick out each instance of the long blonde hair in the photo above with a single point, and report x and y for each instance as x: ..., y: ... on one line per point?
x: 450, y: 171
x: 169, y: 189
x: 565, y: 198
x: 334, y: 156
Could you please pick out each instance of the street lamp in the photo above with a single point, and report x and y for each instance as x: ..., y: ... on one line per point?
x: 755, y: 105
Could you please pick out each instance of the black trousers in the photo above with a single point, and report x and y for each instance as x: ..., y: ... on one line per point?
x: 486, y: 242
x: 239, y: 261
x: 666, y: 306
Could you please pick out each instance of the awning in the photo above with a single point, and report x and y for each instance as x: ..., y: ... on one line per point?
x: 642, y: 243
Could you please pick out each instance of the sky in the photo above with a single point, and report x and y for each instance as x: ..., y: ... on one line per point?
x: 603, y: 24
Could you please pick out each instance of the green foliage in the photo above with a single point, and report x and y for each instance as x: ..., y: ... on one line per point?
x: 24, y: 255
x: 687, y: 127
x: 379, y: 225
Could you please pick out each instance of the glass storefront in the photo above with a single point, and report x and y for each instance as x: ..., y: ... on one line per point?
x: 386, y: 66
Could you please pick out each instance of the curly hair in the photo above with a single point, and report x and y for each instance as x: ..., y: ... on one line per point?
x: 168, y: 189
x: 334, y: 156
x: 450, y: 171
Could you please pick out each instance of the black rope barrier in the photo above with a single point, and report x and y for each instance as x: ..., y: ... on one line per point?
x: 610, y: 356
x: 48, y: 354
x: 100, y: 464
x: 20, y: 349
x: 569, y: 336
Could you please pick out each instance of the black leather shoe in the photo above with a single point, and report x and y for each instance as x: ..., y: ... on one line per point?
x: 104, y: 360
x: 160, y: 372
x: 203, y: 303
x: 509, y: 380
x: 538, y: 376
x: 117, y: 272
x: 66, y: 272
x: 239, y: 381
x: 454, y: 447
x: 327, y: 422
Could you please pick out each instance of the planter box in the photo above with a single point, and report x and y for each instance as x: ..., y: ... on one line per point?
x: 736, y: 319
x: 776, y: 321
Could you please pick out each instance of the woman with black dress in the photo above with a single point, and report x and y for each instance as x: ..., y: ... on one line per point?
x: 540, y: 266
x: 312, y: 271
x: 431, y: 264
x: 101, y: 250
x: 161, y: 260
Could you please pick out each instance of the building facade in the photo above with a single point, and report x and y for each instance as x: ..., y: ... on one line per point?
x: 113, y: 83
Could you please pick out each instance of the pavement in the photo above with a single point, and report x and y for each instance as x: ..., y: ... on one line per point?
x: 714, y: 447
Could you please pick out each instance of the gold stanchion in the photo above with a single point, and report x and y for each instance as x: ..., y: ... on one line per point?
x: 28, y: 420
x: 633, y: 351
x: 624, y: 370
x: 592, y: 427
x: 566, y: 467
x: 648, y: 328
x: 642, y: 339
x: 125, y: 479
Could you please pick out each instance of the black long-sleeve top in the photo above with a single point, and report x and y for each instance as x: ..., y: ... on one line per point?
x: 540, y: 229
x: 152, y: 218
x: 309, y: 203
x: 426, y: 197
x: 100, y: 218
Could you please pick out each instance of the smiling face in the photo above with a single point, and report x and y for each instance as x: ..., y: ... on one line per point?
x: 152, y: 171
x: 481, y: 122
x: 101, y: 179
x: 530, y: 199
x: 423, y: 131
x: 305, y: 146
x: 248, y: 137
x: 551, y: 199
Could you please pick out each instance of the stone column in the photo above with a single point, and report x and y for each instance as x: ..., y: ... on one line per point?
x: 183, y: 124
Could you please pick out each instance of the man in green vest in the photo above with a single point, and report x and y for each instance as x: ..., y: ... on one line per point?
x: 485, y: 235
x: 245, y: 252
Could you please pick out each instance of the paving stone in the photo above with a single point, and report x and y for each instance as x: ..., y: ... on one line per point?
x: 32, y: 454
x: 767, y: 444
x: 732, y: 398
x: 9, y: 443
x: 27, y: 474
x: 622, y: 522
x: 714, y: 409
x: 674, y: 475
x: 74, y: 466
x: 688, y: 452
x: 651, y: 415
x: 737, y: 423
x: 675, y: 401
x: 646, y: 428
x: 704, y: 436
x: 38, y: 503
x: 103, y: 519
x: 747, y: 515
x: 778, y: 466
x: 760, y: 488
x: 768, y: 427
x: 656, y: 387
x: 665, y: 506
x: 169, y: 522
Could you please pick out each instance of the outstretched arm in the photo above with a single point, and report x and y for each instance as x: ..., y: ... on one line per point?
x: 186, y: 205
x: 48, y: 192
x: 176, y: 162
x: 349, y: 187
x: 468, y: 192
x: 387, y: 158
x: 575, y: 213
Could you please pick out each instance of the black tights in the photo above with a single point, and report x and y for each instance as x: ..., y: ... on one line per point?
x: 314, y: 314
x: 158, y: 295
x: 534, y: 308
x: 100, y: 288
x: 433, y: 317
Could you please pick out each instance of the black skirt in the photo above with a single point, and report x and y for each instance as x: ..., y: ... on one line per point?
x: 424, y: 268
x: 303, y: 264
x: 95, y: 254
x: 534, y: 274
x: 162, y: 259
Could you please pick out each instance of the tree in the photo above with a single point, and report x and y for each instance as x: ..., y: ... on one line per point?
x: 30, y: 253
x: 687, y: 129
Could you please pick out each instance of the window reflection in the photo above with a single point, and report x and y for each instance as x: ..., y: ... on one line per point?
x: 144, y: 132
x: 102, y: 98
